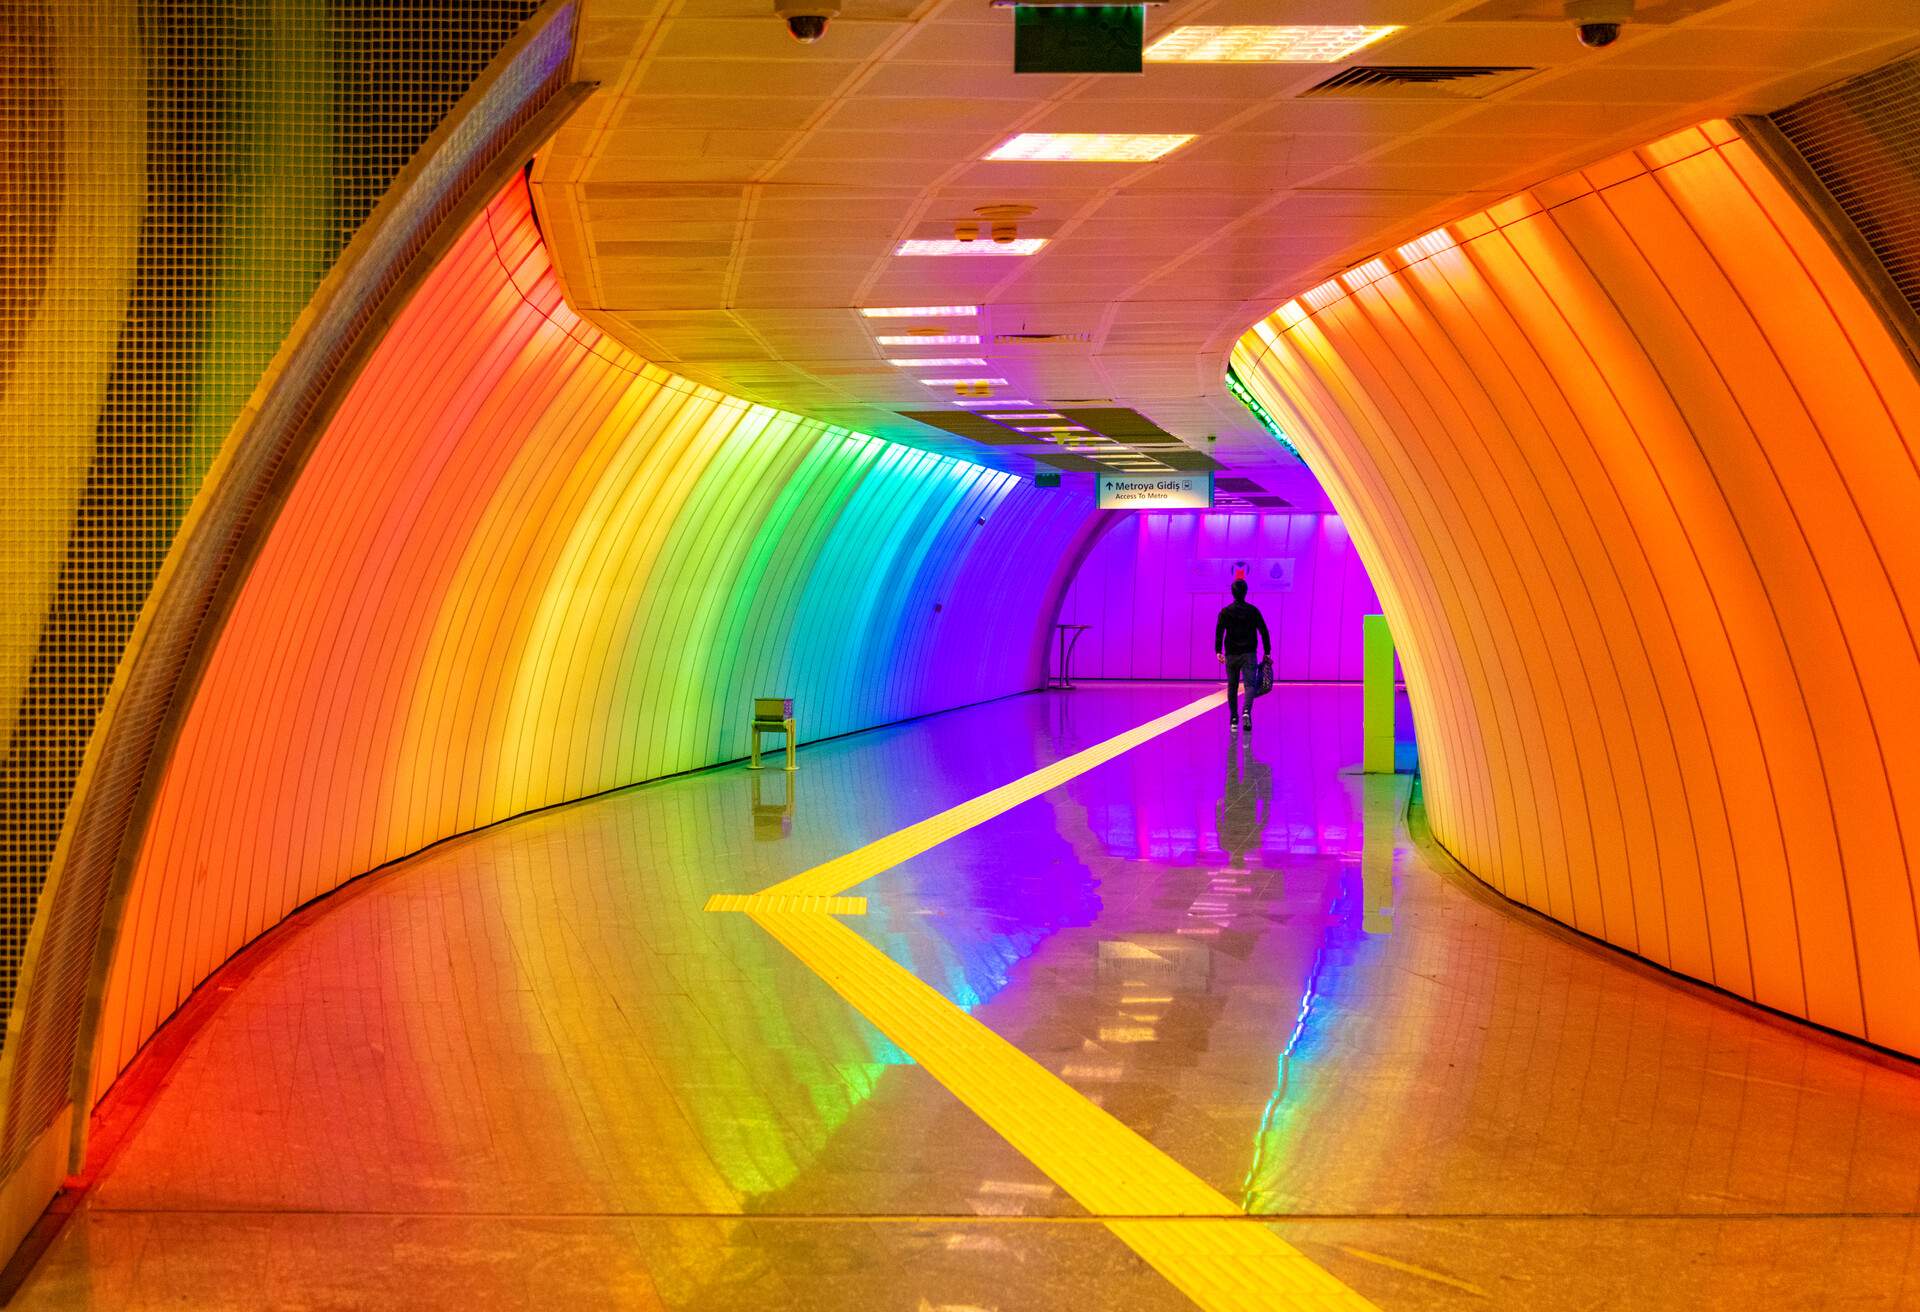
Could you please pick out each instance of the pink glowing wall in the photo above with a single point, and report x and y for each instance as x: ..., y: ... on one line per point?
x: 1153, y: 585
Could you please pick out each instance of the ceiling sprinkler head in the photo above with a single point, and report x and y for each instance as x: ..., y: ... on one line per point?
x: 1003, y: 221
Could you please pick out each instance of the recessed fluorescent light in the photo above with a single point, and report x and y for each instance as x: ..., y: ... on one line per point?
x: 964, y: 382
x: 1036, y: 414
x: 922, y: 312
x: 1432, y: 244
x: 940, y: 362
x: 1052, y: 428
x: 998, y: 400
x: 1112, y: 147
x: 930, y: 339
x: 1262, y: 44
x: 949, y: 246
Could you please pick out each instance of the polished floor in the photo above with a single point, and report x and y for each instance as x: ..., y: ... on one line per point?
x: 530, y: 1069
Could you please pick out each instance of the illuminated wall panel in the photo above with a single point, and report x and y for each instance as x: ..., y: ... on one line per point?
x: 523, y: 566
x: 1154, y: 585
x: 1631, y: 459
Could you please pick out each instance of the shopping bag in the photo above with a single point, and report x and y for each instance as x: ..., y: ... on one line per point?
x: 1260, y: 682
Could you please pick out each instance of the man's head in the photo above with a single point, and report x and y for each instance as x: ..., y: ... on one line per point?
x: 1239, y: 589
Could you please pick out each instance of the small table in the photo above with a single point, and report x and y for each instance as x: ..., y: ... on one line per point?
x: 772, y: 715
x: 1069, y: 638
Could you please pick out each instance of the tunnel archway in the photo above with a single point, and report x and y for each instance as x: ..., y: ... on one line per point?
x: 541, y: 463
x: 1632, y: 459
x: 523, y: 567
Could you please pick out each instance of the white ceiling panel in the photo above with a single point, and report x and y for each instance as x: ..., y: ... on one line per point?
x: 730, y: 198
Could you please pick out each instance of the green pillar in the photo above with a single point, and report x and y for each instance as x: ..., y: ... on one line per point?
x: 1376, y: 666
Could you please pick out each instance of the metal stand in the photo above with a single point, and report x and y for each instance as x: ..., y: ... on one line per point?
x: 1069, y: 638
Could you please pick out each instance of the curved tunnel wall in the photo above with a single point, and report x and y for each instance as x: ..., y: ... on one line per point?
x: 523, y: 566
x: 1631, y: 459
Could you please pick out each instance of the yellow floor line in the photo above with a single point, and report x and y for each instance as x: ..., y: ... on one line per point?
x: 863, y: 863
x: 1189, y: 1232
x: 1224, y: 1262
x: 827, y: 906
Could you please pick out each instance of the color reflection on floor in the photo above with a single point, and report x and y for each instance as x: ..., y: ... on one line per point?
x: 528, y: 1070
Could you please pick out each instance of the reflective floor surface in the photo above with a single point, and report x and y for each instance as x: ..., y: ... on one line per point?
x: 528, y: 1069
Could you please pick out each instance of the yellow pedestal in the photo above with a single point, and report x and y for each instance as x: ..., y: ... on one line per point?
x: 1376, y: 715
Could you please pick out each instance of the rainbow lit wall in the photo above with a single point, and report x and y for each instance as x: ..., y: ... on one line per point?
x: 1153, y: 585
x: 523, y: 566
x: 1632, y: 460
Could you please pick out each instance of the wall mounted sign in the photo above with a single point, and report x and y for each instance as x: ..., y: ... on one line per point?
x: 1263, y: 574
x: 1156, y: 491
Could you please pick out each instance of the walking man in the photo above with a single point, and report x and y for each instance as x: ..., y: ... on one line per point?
x: 1238, y: 636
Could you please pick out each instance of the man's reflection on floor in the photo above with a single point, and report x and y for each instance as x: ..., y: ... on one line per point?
x: 1246, y: 802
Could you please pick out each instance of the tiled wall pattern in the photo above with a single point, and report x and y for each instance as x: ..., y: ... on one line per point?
x: 178, y: 175
x: 1631, y: 458
x: 1153, y: 586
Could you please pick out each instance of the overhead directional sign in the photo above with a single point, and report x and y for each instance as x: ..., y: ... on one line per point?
x: 1156, y: 491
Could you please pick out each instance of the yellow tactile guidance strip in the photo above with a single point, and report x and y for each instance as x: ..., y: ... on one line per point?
x: 828, y: 906
x: 1210, y: 1250
x: 1221, y: 1259
x: 863, y: 863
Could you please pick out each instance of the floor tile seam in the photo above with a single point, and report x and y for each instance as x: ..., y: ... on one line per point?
x: 971, y: 1218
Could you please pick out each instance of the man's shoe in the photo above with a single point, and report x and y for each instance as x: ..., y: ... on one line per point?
x: 1246, y: 722
x: 1233, y: 726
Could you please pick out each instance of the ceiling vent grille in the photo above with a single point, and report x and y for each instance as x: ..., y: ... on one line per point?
x: 1555, y: 11
x: 1448, y: 81
x: 1040, y: 339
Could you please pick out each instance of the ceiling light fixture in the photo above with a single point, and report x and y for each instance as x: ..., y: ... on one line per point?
x: 1365, y: 275
x: 1090, y: 147
x: 921, y: 312
x: 941, y: 362
x: 1259, y: 43
x: 1432, y: 244
x: 963, y: 382
x: 1034, y: 414
x: 948, y: 246
x: 931, y: 339
x: 998, y: 400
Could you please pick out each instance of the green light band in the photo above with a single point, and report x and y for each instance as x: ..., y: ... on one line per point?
x: 1267, y: 421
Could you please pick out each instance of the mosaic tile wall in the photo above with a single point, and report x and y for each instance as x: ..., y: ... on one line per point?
x: 175, y: 178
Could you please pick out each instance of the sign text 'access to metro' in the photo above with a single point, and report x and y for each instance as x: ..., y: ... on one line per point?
x: 1156, y: 491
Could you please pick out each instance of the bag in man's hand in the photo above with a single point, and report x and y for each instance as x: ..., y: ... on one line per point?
x: 1260, y: 681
